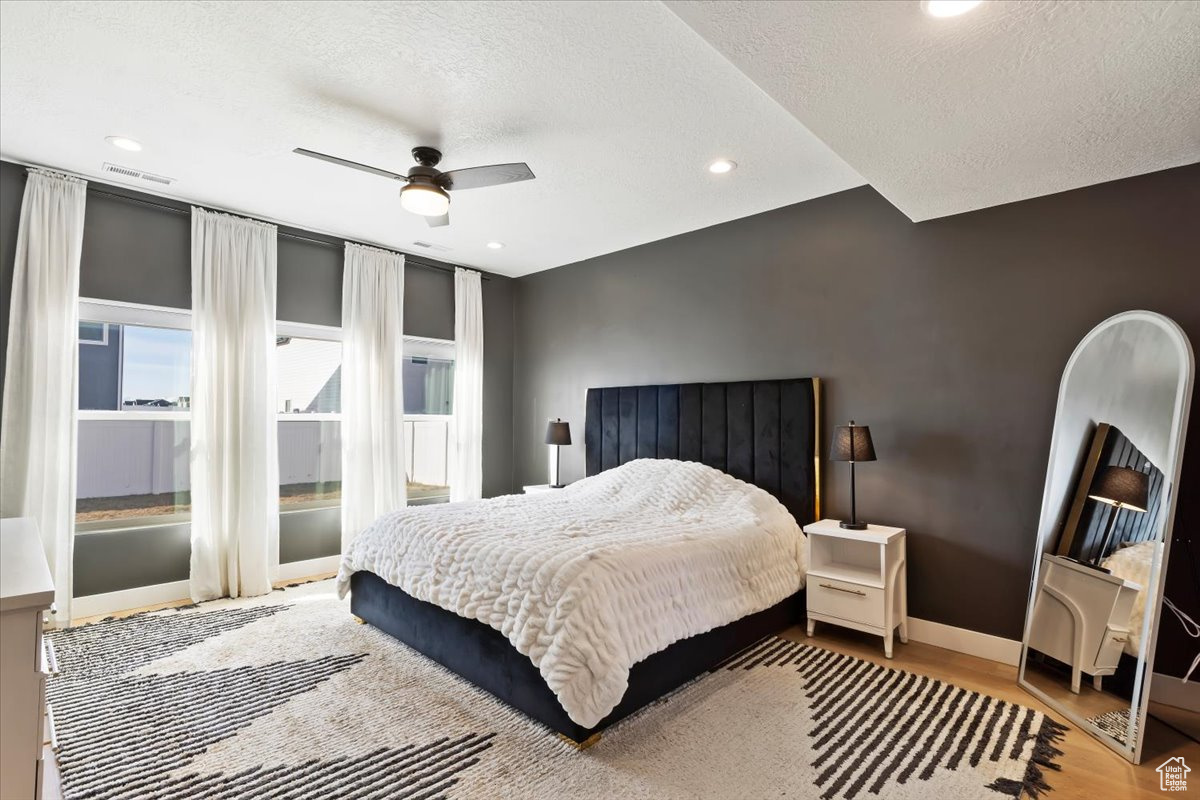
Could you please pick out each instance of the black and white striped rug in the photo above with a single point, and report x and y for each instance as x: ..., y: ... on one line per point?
x: 286, y: 697
x: 1114, y: 724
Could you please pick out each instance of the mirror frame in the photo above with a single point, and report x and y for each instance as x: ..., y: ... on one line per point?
x: 1132, y: 751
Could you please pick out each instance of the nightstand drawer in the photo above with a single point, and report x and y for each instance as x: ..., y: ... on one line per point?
x: 844, y: 600
x: 1111, y: 647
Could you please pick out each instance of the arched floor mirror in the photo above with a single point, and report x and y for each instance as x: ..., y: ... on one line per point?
x: 1105, y: 528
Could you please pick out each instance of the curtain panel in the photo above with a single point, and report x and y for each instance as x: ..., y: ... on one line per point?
x: 466, y: 457
x: 374, y: 480
x: 234, y: 456
x: 38, y: 438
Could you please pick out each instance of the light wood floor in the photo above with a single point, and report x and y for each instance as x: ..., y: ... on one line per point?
x: 1088, y: 703
x: 1090, y: 771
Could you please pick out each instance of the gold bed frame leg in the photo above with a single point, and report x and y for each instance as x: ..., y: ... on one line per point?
x: 585, y: 744
x: 360, y: 620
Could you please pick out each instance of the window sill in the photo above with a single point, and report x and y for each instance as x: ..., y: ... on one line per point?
x: 131, y: 523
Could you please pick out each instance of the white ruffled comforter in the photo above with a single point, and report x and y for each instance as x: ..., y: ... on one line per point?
x: 590, y: 579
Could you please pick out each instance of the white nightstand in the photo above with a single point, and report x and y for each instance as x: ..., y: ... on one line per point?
x: 1081, y: 618
x: 858, y: 579
x: 541, y: 487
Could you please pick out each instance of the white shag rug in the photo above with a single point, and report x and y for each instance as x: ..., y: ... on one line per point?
x: 286, y: 696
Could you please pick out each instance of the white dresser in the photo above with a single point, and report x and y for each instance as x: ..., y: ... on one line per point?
x: 1081, y: 617
x: 858, y: 579
x: 26, y: 592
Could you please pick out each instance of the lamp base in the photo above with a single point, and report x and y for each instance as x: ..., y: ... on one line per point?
x: 853, y: 526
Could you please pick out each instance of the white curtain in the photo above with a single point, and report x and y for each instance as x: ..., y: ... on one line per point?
x: 466, y: 459
x: 37, y: 437
x: 234, y: 458
x: 373, y: 454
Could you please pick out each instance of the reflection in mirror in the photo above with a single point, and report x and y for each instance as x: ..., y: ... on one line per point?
x: 1105, y: 523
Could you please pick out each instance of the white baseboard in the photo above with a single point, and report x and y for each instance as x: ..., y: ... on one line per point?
x: 1165, y: 689
x: 111, y: 602
x: 1171, y: 691
x: 961, y: 640
x: 306, y: 569
x: 93, y: 605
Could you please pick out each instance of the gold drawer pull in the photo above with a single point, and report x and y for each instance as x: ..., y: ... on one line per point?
x: 840, y: 589
x: 1118, y: 638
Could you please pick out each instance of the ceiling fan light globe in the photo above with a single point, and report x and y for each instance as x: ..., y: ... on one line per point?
x: 425, y: 200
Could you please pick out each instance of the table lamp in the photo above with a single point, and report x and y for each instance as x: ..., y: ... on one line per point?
x: 558, y: 434
x: 1119, y: 487
x: 852, y: 443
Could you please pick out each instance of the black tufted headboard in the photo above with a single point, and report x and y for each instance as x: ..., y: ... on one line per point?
x: 762, y: 432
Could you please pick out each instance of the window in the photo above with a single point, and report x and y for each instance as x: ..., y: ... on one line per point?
x: 428, y: 411
x: 309, y: 397
x: 134, y: 395
x: 309, y: 359
x: 428, y: 385
x: 134, y: 416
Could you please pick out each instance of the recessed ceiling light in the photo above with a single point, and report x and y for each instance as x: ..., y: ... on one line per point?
x: 948, y: 8
x: 495, y: 245
x: 721, y: 166
x: 124, y: 142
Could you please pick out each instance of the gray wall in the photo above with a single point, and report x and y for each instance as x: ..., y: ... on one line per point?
x: 948, y: 337
x: 139, y: 253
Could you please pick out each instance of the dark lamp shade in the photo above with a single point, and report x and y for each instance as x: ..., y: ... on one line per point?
x: 558, y: 432
x: 852, y: 443
x: 1124, y: 486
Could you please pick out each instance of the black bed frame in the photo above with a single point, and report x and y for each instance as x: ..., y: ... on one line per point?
x: 762, y: 432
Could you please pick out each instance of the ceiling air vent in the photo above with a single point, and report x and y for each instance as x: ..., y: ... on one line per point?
x: 137, y: 174
x: 432, y: 246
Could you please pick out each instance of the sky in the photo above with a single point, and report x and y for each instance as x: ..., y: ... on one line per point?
x: 158, y: 363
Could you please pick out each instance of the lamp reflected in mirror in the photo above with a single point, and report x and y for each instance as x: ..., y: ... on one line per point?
x: 1121, y: 488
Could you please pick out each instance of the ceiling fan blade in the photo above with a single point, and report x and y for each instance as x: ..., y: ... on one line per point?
x: 351, y: 164
x: 438, y: 222
x: 479, y: 177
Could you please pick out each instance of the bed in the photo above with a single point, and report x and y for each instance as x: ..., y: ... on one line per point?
x: 1135, y: 562
x: 727, y: 457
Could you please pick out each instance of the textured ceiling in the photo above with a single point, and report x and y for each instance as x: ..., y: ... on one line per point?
x: 1010, y: 101
x: 617, y: 107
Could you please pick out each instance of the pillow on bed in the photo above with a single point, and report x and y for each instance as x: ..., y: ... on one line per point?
x: 1133, y: 563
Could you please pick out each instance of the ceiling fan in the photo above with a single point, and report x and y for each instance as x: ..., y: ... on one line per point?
x: 426, y: 187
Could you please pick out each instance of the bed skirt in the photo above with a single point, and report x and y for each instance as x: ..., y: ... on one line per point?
x: 483, y: 656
